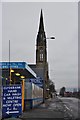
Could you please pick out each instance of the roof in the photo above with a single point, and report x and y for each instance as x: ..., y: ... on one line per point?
x: 20, y: 66
x: 39, y: 71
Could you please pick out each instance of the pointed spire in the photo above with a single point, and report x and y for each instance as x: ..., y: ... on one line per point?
x: 41, y: 24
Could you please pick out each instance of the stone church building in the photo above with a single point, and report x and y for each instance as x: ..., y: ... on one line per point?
x: 41, y: 66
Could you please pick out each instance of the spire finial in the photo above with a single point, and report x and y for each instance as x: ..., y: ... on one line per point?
x: 41, y: 25
x: 41, y: 9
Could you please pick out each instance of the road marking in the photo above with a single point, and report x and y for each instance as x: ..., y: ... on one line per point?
x: 67, y: 107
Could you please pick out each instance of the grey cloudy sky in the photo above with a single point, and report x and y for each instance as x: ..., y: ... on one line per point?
x: 20, y: 23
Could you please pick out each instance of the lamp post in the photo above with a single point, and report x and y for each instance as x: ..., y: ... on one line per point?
x: 9, y: 65
x: 50, y: 38
x: 44, y: 87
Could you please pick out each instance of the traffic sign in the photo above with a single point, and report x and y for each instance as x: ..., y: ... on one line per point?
x: 12, y: 101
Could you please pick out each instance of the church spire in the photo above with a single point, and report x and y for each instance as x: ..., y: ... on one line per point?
x: 41, y: 52
x: 41, y: 24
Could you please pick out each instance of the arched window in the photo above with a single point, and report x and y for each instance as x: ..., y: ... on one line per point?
x: 41, y: 54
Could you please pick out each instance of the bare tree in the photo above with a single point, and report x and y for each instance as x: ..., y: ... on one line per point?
x: 62, y: 90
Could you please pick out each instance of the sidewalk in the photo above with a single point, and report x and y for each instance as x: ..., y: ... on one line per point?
x: 47, y: 110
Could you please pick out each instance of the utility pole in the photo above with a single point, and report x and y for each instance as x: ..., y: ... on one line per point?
x: 9, y: 65
x: 44, y: 84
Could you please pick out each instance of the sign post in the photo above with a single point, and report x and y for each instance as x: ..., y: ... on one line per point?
x: 11, y: 101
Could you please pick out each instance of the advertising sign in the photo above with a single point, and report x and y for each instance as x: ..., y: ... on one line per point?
x: 38, y: 82
x: 6, y: 65
x: 11, y: 101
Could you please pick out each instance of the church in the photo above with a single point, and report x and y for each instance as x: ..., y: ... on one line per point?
x: 41, y: 66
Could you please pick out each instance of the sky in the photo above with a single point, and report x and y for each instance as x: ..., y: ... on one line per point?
x: 39, y: 0
x: 20, y: 22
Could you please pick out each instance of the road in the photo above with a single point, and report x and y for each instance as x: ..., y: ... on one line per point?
x: 72, y: 105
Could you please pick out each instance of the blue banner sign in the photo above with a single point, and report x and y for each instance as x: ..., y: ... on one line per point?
x: 16, y: 65
x: 12, y: 101
x: 37, y: 81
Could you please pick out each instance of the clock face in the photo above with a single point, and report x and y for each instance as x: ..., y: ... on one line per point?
x: 41, y: 50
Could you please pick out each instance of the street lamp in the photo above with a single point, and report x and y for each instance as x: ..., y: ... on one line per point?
x: 44, y: 88
x: 50, y: 38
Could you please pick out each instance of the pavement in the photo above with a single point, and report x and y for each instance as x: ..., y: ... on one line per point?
x: 43, y: 111
x: 52, y: 108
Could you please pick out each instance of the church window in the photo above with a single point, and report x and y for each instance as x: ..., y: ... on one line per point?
x: 41, y: 54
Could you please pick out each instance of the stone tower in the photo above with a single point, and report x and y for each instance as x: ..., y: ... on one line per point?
x: 41, y: 55
x: 41, y: 52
